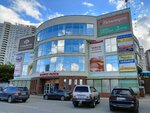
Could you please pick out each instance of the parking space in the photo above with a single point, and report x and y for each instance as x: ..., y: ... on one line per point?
x: 37, y: 105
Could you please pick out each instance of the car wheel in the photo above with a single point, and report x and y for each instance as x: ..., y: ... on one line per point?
x: 93, y: 105
x: 111, y: 108
x: 24, y: 100
x: 10, y: 99
x: 46, y: 97
x: 98, y: 101
x: 62, y: 98
x: 75, y: 104
x: 136, y: 111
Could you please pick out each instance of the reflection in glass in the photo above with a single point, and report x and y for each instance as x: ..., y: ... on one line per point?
x: 61, y: 46
x: 63, y: 63
x: 112, y: 63
x: 111, y: 45
x: 66, y: 29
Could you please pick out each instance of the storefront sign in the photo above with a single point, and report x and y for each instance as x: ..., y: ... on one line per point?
x: 49, y: 74
x: 128, y: 67
x: 26, y: 44
x: 113, y: 24
x: 125, y: 43
x: 17, y: 71
x: 19, y: 58
x: 96, y: 56
x: 126, y: 57
x: 127, y: 63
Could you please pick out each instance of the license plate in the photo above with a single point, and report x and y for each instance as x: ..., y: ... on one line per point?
x: 119, y: 98
x: 23, y: 93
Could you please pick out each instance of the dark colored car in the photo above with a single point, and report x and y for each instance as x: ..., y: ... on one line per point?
x: 12, y: 94
x: 58, y: 94
x: 124, y: 98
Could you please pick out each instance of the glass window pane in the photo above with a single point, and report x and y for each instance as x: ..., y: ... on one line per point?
x: 105, y: 86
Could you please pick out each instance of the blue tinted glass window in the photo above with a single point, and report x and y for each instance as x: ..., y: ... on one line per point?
x: 66, y: 29
x: 112, y: 63
x: 62, y: 63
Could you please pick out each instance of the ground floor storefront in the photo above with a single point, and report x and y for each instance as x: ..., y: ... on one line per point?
x: 40, y: 85
x: 45, y: 84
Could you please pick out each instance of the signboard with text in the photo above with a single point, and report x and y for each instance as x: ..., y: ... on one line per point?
x: 113, y: 23
x: 26, y: 43
x: 96, y: 56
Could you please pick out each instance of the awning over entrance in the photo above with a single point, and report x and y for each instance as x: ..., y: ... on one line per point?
x: 145, y: 73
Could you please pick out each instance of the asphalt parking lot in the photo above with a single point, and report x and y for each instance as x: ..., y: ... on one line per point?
x: 37, y: 105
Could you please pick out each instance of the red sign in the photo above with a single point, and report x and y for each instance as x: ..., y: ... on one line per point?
x: 49, y: 74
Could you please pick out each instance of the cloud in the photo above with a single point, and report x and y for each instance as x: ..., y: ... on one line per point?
x: 88, y: 4
x: 141, y: 28
x: 8, y: 15
x: 141, y: 22
x: 29, y: 7
x: 54, y: 15
x: 120, y: 4
x: 89, y: 12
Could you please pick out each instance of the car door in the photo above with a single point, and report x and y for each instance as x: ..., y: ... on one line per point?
x: 4, y: 94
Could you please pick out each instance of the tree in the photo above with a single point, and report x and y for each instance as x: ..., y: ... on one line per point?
x: 6, y: 72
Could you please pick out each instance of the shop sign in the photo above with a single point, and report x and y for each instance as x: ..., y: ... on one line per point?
x: 26, y: 44
x: 19, y: 58
x: 113, y: 24
x: 126, y: 57
x: 127, y: 67
x: 125, y: 43
x: 17, y: 71
x: 96, y: 56
x: 49, y: 74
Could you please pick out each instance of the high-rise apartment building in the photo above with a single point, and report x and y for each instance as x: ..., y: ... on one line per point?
x: 147, y: 54
x: 143, y: 59
x: 9, y: 34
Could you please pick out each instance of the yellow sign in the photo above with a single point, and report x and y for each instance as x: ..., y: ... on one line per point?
x: 126, y: 57
x: 125, y: 39
x: 127, y: 69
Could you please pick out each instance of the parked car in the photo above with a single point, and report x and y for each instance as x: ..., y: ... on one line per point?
x: 12, y: 94
x: 58, y: 94
x: 124, y: 98
x: 84, y: 94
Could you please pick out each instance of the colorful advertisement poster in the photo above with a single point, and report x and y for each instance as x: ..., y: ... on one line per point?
x: 26, y: 44
x: 127, y: 67
x: 19, y: 58
x: 125, y: 43
x: 17, y: 71
x: 114, y: 23
x: 97, y: 56
x: 127, y: 63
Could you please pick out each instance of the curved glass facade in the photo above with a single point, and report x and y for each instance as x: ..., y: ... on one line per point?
x: 66, y: 29
x: 62, y: 63
x: 61, y: 46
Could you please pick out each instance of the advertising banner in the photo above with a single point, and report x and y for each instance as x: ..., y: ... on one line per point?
x: 19, y: 57
x: 113, y: 24
x: 17, y: 71
x: 96, y: 56
x: 127, y: 67
x: 125, y: 43
x: 127, y: 63
x: 26, y: 44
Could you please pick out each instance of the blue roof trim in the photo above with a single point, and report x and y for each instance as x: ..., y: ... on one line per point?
x: 145, y: 73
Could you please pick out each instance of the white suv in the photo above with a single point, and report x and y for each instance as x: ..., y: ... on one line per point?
x: 84, y: 94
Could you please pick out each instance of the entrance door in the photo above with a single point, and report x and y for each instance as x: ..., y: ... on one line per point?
x: 49, y: 87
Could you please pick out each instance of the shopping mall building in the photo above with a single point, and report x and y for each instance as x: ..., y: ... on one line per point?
x: 101, y: 51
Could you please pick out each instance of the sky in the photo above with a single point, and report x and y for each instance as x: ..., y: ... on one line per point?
x: 35, y: 12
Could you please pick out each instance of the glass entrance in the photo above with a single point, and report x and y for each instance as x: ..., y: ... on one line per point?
x: 50, y: 87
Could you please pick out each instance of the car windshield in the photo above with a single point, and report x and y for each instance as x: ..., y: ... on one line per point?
x: 22, y: 88
x: 81, y: 89
x: 121, y: 92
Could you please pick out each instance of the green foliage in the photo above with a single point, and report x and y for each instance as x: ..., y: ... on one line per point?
x: 6, y: 72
